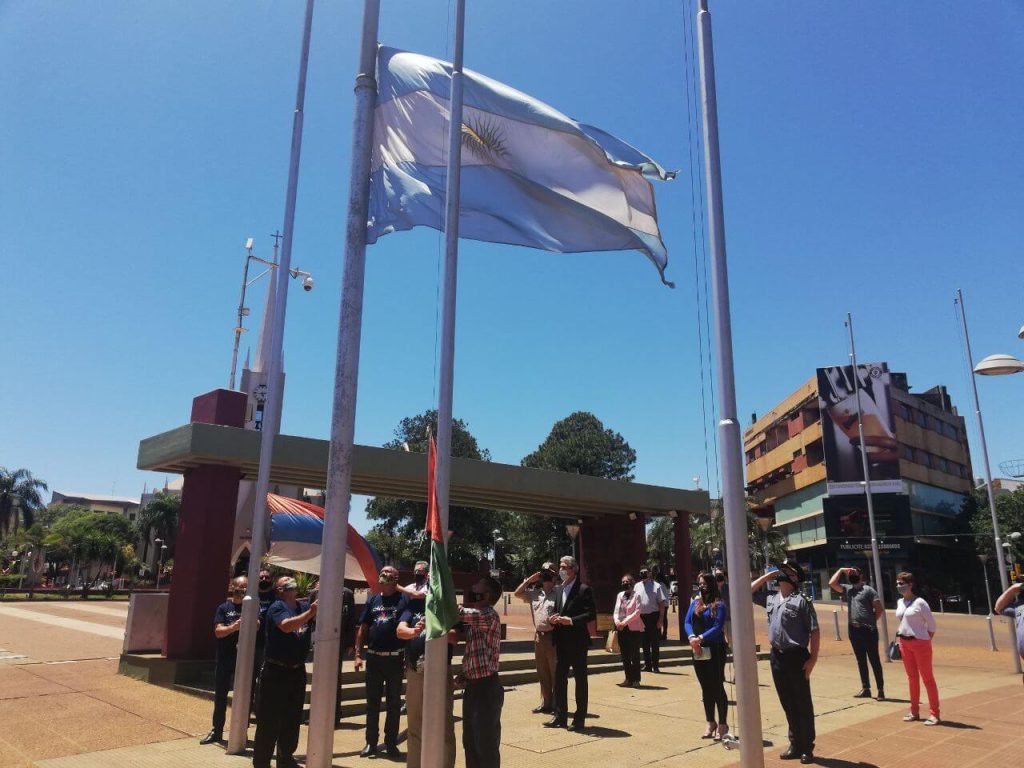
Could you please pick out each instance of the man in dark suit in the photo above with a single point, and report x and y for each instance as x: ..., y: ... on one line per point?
x: 574, y: 610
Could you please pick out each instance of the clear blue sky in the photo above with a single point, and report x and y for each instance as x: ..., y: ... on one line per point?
x: 872, y: 162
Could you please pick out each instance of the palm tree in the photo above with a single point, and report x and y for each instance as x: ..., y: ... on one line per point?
x: 19, y: 492
x: 160, y: 516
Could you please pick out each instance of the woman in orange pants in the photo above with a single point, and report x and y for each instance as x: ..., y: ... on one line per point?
x: 915, y: 633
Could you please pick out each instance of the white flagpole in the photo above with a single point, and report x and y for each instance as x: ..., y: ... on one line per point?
x: 1004, y: 581
x: 320, y: 751
x: 876, y: 560
x: 237, y: 734
x: 748, y: 703
x: 435, y: 674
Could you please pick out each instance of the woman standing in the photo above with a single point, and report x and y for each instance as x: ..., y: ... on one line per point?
x: 705, y: 620
x: 631, y: 630
x: 915, y: 633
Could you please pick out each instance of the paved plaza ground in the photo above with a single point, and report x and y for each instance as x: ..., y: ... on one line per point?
x: 63, y: 705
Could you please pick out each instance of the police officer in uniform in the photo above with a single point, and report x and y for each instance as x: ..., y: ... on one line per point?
x: 794, y: 637
x: 283, y: 679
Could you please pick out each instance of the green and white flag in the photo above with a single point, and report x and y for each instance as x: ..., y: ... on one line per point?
x: 442, y: 609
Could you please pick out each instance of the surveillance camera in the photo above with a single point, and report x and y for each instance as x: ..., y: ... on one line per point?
x: 307, y: 283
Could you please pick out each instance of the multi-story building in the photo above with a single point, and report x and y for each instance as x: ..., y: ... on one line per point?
x: 94, y: 502
x: 804, y: 470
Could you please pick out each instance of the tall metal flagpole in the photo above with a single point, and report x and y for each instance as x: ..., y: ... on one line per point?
x: 435, y: 673
x: 272, y: 419
x: 748, y: 702
x: 343, y: 419
x: 875, y: 559
x: 1000, y: 557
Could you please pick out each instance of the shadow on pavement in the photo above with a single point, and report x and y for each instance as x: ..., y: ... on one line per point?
x: 962, y: 726
x: 835, y: 762
x: 606, y: 733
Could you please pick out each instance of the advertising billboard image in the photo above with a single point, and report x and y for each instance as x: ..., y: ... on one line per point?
x: 837, y: 400
x: 846, y: 524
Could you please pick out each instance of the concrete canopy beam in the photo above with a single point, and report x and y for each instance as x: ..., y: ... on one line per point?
x: 302, y: 461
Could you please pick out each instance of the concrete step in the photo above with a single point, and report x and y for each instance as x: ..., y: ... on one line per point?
x: 516, y: 669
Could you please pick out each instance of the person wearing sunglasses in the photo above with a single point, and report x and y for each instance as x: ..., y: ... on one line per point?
x: 915, y: 633
x: 384, y: 661
x: 226, y: 623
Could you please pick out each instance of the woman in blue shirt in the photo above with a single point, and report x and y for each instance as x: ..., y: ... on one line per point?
x: 704, y: 622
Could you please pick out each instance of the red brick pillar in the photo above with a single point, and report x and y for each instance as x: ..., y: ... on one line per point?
x: 202, y: 551
x: 684, y: 566
x: 608, y: 548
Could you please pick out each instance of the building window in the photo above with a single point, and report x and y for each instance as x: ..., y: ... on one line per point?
x: 905, y: 412
x: 950, y: 431
x: 906, y: 452
x: 939, y: 463
x: 921, y: 457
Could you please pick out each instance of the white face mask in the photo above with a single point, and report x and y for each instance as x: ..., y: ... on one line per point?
x: 563, y: 574
x: 903, y: 588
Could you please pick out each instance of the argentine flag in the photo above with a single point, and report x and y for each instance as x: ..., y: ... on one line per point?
x: 530, y: 175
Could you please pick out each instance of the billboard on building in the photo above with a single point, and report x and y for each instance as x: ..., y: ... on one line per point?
x: 848, y: 529
x: 837, y: 400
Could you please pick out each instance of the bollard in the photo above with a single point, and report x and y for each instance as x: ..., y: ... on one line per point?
x: 968, y: 607
x: 991, y: 632
x: 506, y: 605
x: 942, y: 606
x: 835, y: 620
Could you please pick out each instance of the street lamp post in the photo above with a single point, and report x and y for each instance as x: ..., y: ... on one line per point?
x: 1003, y: 580
x: 26, y: 556
x: 160, y: 560
x: 243, y: 311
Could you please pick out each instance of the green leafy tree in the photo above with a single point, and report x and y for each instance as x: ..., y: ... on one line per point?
x: 707, y: 534
x: 160, y: 517
x: 20, y: 498
x: 661, y: 544
x: 398, y: 532
x: 580, y: 444
x: 1009, y: 512
x: 85, y: 537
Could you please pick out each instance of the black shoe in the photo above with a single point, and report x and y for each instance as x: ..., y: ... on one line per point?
x: 392, y: 751
x: 403, y: 710
x: 212, y: 737
x: 645, y: 668
x: 790, y: 754
x: 657, y: 670
x: 542, y: 710
x: 576, y: 727
x: 289, y: 762
x: 369, y: 750
x: 880, y: 696
x: 555, y: 722
x: 865, y: 693
x: 807, y: 758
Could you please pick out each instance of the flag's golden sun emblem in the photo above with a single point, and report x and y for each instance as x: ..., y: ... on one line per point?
x: 483, y: 138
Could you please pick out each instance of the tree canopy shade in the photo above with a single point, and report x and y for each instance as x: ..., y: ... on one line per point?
x: 398, y: 536
x: 581, y: 444
x: 1009, y: 512
x: 20, y: 498
x: 88, y: 536
x: 160, y: 516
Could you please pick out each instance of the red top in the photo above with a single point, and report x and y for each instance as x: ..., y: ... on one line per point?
x: 483, y: 642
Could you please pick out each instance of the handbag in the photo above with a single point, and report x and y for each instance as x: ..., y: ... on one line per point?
x: 894, y: 652
x: 611, y: 644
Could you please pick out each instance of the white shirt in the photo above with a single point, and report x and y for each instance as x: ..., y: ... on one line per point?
x: 652, y: 595
x: 916, y: 620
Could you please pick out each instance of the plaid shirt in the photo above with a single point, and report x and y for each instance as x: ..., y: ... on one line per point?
x: 483, y: 642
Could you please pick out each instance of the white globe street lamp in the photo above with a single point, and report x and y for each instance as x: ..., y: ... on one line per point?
x: 999, y: 365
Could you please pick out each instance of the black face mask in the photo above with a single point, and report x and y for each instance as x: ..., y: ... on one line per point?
x: 627, y: 587
x: 854, y: 578
x: 264, y: 585
x: 704, y: 593
x: 720, y: 578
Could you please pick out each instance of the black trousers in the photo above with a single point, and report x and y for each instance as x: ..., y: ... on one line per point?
x: 481, y: 722
x: 629, y: 651
x: 383, y: 678
x: 224, y: 677
x: 282, y: 696
x: 652, y: 639
x: 865, y: 648
x: 711, y: 676
x: 572, y: 656
x: 794, y: 690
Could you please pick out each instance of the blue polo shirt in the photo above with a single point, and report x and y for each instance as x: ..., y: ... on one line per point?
x: 227, y: 613
x: 381, y: 616
x: 287, y: 647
